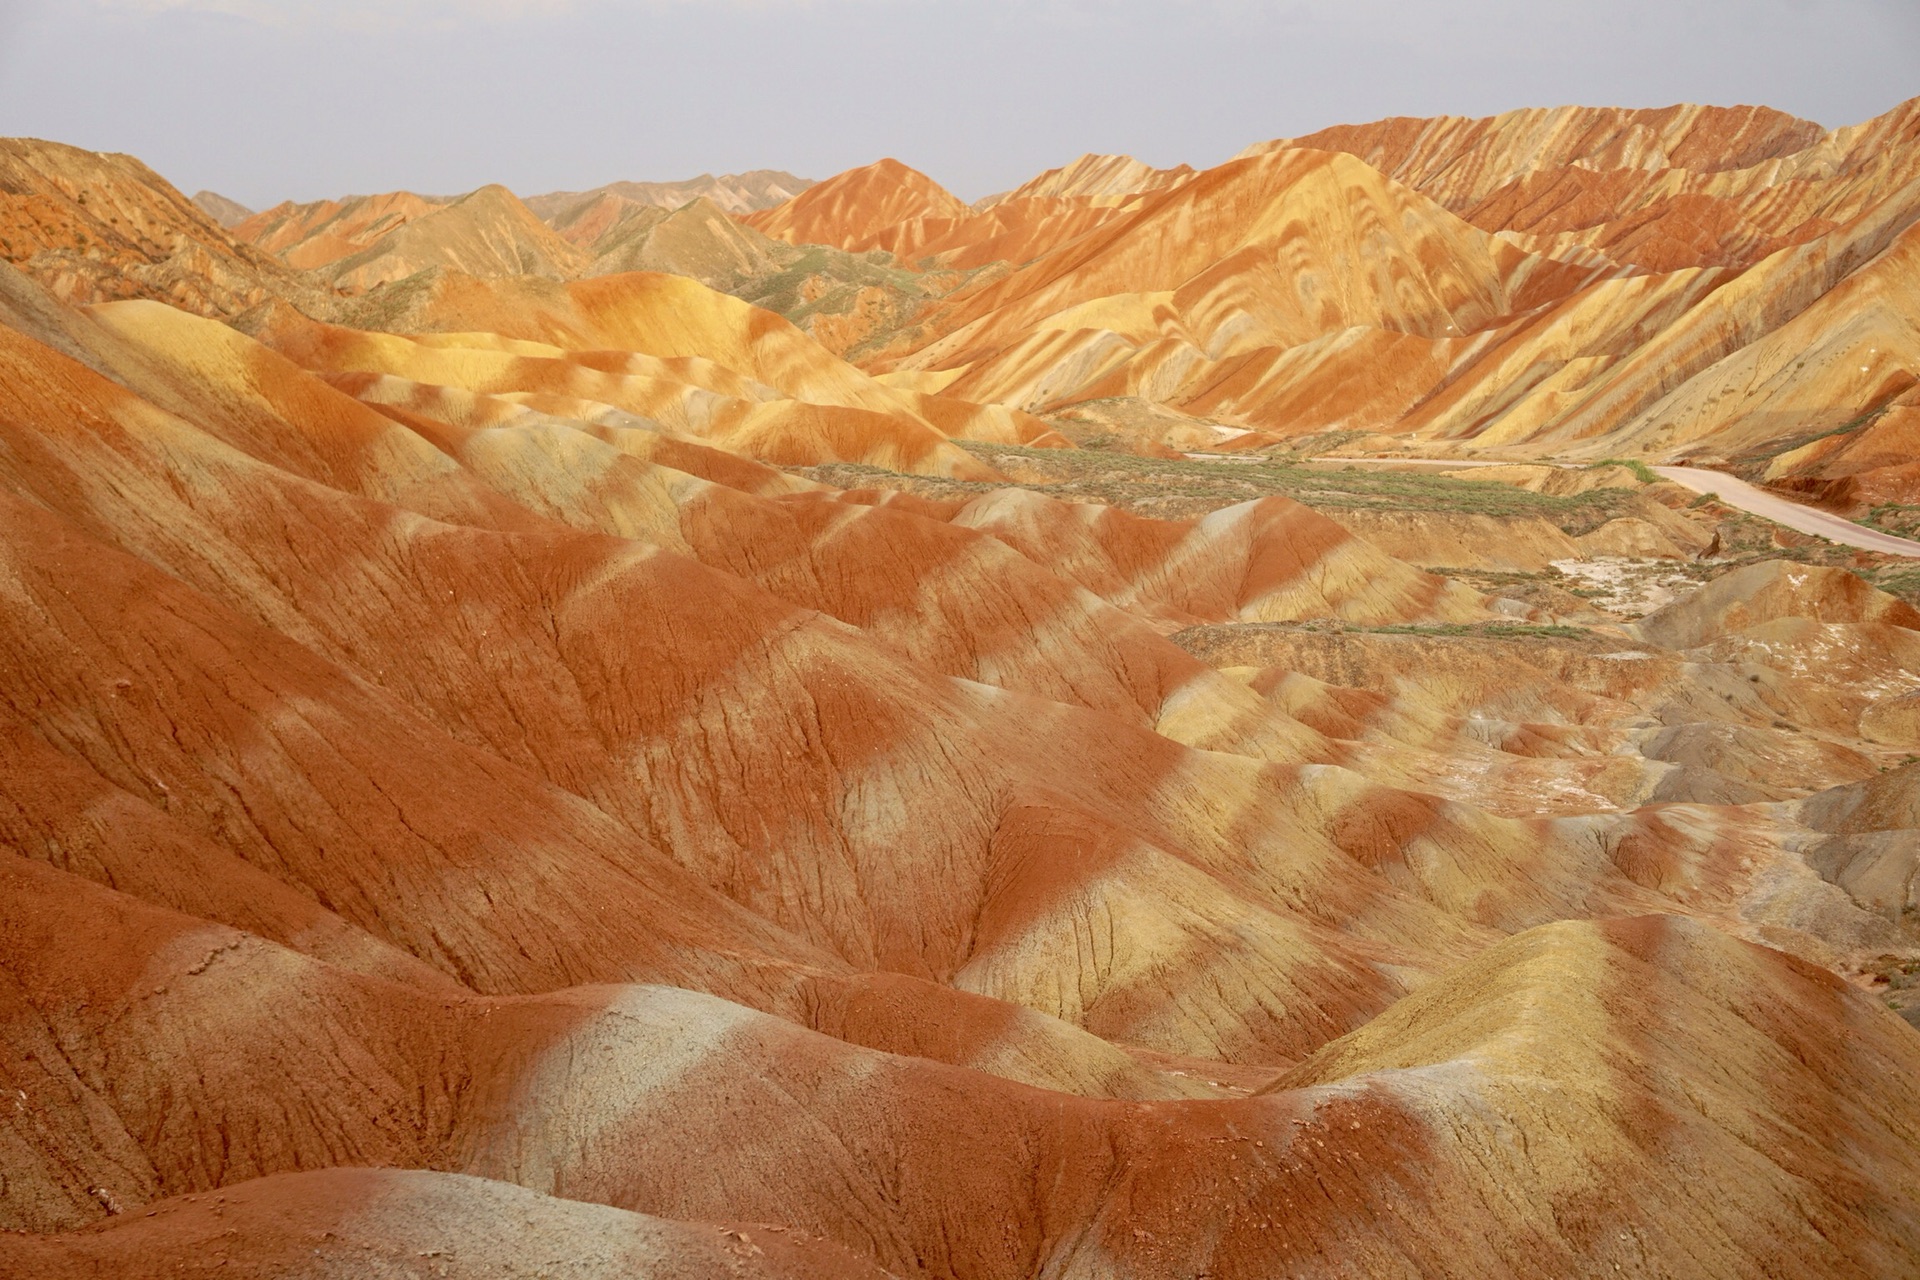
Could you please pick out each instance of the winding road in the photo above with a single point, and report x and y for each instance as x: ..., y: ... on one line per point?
x: 1734, y: 492
x: 1771, y: 506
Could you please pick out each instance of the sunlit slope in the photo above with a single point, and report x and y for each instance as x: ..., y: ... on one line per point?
x: 1000, y: 747
x: 1611, y: 282
x: 1101, y: 177
x: 735, y: 192
x: 867, y: 208
x: 1460, y: 161
x: 322, y: 232
x: 92, y: 226
x: 664, y: 348
x: 1226, y: 279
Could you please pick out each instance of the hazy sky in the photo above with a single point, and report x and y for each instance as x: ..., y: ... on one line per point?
x: 271, y: 99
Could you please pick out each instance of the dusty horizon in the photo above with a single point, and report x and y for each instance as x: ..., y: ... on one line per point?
x: 267, y: 100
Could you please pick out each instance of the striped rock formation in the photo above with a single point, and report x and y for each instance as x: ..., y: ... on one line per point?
x: 1713, y: 284
x: 415, y: 760
x: 510, y: 771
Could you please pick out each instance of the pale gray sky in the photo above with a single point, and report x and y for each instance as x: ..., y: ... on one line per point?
x: 269, y: 99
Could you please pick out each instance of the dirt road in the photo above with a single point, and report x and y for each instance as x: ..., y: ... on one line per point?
x: 1734, y: 492
x: 1771, y: 506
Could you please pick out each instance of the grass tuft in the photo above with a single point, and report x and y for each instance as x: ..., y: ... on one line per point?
x: 1641, y: 470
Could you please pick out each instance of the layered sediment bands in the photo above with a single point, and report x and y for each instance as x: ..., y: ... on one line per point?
x: 646, y: 350
x: 1385, y: 1142
x: 94, y: 227
x: 488, y: 233
x: 734, y: 192
x: 1100, y: 177
x: 1264, y: 561
x: 1460, y: 161
x: 377, y: 1220
x: 1699, y: 282
x: 1225, y: 293
x: 868, y: 208
x: 322, y: 232
x: 478, y: 796
x: 366, y: 241
x: 697, y: 240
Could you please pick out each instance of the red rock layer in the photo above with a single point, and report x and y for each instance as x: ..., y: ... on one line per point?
x: 861, y: 209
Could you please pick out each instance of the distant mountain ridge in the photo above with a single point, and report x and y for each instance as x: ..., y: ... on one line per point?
x: 1729, y: 285
x: 228, y: 213
x: 1099, y: 176
x: 734, y: 192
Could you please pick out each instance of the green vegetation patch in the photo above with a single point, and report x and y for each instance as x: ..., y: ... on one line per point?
x: 1642, y: 472
x: 1750, y: 466
x: 1897, y: 518
x: 1901, y: 580
x: 1123, y: 480
x: 847, y: 272
x: 1482, y: 630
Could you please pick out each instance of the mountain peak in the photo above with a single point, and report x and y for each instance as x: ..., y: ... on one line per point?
x: 854, y: 209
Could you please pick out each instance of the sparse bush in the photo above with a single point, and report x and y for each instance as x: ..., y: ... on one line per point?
x: 1642, y: 472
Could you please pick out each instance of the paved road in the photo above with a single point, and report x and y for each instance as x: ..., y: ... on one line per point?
x: 1734, y: 492
x: 1771, y: 506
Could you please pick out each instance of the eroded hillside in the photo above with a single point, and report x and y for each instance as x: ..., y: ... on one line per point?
x: 514, y: 757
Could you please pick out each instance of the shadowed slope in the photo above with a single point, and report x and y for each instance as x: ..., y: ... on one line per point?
x: 1390, y: 1151
x: 351, y: 1223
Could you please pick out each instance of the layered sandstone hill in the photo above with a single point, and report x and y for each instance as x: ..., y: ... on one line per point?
x: 317, y: 235
x: 1682, y: 186
x: 1715, y: 284
x: 93, y: 227
x: 321, y: 232
x: 1462, y: 162
x: 484, y: 265
x: 374, y: 241
x: 900, y: 211
x: 868, y: 208
x: 697, y: 239
x: 518, y: 764
x: 1113, y: 177
x: 840, y: 298
x: 364, y: 242
x: 460, y: 801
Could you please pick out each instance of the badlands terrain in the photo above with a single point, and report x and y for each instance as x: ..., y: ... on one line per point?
x: 1166, y: 723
